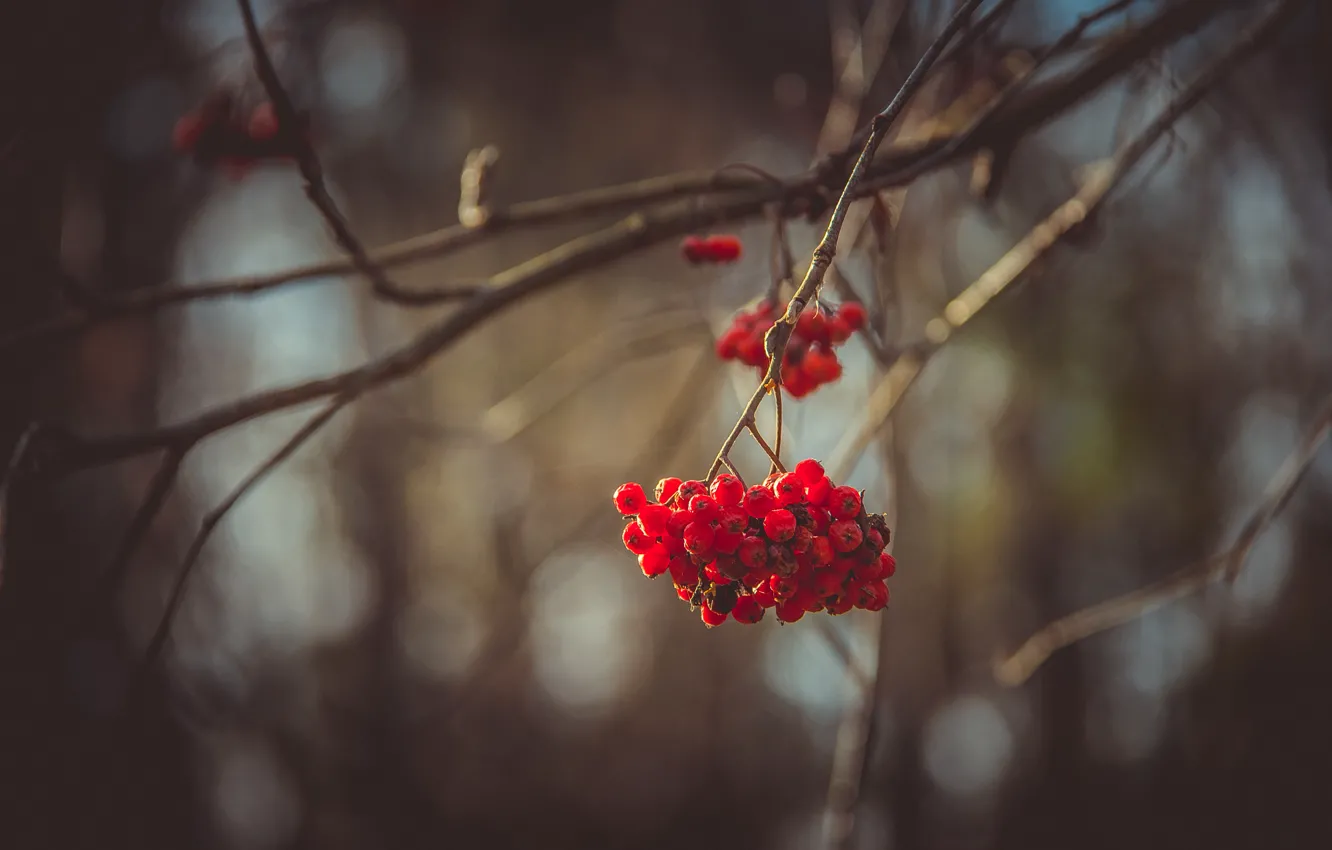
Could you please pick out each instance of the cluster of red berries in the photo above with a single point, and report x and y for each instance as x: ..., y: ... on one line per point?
x: 810, y: 359
x: 219, y: 132
x: 795, y: 543
x: 710, y: 249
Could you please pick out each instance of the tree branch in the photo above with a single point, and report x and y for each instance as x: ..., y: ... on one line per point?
x: 1037, y: 649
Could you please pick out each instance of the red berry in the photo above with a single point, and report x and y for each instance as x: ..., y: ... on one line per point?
x: 827, y: 583
x: 713, y: 573
x: 683, y: 572
x: 818, y: 492
x: 874, y: 540
x: 734, y: 519
x: 818, y: 520
x: 852, y: 314
x: 844, y: 503
x: 727, y: 490
x: 873, y: 596
x: 675, y: 526
x: 636, y: 541
x: 783, y: 587
x: 887, y: 565
x: 705, y: 509
x: 759, y: 501
x: 630, y: 499
x: 752, y: 552
x: 685, y: 593
x: 821, y: 552
x: 263, y: 122
x: 779, y: 525
x: 698, y: 538
x: 189, y: 128
x: 789, y: 489
x: 747, y: 610
x: 693, y: 249
x: 838, y: 330
x: 711, y: 618
x: 728, y: 344
x: 809, y: 471
x: 812, y: 325
x: 723, y: 249
x: 823, y: 367
x: 845, y: 535
x: 809, y: 600
x: 655, y: 561
x: 690, y: 489
x: 666, y: 488
x: 797, y: 382
x: 763, y: 596
x: 789, y: 611
x: 802, y: 540
x: 655, y: 520
x: 726, y: 541
x: 841, y: 604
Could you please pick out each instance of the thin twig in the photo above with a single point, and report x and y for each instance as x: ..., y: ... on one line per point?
x: 308, y: 161
x: 217, y: 514
x: 798, y: 196
x: 1018, y: 667
x: 772, y: 455
x: 777, y: 337
x: 1102, y: 177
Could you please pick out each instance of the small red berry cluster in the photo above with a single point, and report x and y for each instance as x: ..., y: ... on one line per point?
x: 810, y: 359
x: 796, y: 543
x: 710, y: 249
x: 219, y: 132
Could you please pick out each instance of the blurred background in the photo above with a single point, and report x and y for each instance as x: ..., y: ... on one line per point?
x: 422, y: 630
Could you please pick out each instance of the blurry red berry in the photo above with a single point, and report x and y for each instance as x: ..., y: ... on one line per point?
x: 852, y: 314
x: 783, y: 587
x: 763, y: 596
x: 838, y: 330
x: 263, y: 121
x: 723, y: 248
x: 841, y: 604
x: 817, y: 492
x: 683, y: 572
x: 693, y: 249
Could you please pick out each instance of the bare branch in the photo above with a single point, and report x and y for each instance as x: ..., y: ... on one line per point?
x: 216, y: 515
x: 1101, y: 178
x: 779, y: 334
x: 1018, y: 667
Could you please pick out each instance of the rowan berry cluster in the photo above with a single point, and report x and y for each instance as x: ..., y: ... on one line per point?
x: 795, y: 543
x: 810, y: 359
x: 710, y: 249
x: 219, y: 132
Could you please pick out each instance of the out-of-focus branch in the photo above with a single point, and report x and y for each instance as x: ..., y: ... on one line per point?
x: 748, y: 194
x: 1100, y: 179
x: 210, y: 521
x: 289, y: 122
x: 1018, y: 667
